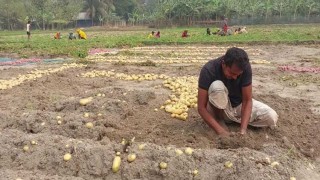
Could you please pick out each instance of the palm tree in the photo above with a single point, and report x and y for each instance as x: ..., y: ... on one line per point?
x: 98, y: 8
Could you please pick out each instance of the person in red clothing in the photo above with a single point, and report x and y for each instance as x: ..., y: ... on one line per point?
x: 225, y: 25
x: 185, y: 34
x: 157, y: 35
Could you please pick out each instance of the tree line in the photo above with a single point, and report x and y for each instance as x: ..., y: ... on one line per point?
x: 47, y: 14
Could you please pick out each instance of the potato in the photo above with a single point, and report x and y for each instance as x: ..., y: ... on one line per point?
x: 195, y: 172
x: 141, y: 146
x: 188, y: 151
x: 85, y: 101
x: 116, y: 164
x: 67, y: 157
x: 163, y: 165
x: 89, y: 125
x: 275, y: 163
x: 33, y: 142
x: 267, y: 160
x: 59, y: 122
x: 292, y: 178
x: 178, y: 152
x: 25, y: 148
x: 228, y: 164
x: 86, y: 115
x: 124, y: 141
x: 132, y: 157
x: 118, y: 154
x: 58, y: 117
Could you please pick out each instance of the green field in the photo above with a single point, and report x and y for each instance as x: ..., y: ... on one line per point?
x: 43, y: 44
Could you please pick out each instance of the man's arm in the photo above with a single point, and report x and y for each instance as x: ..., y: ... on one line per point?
x: 246, y: 108
x: 206, y: 116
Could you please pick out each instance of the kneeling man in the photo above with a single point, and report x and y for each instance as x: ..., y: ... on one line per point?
x: 225, y: 94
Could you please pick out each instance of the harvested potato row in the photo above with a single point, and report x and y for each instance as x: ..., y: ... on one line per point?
x: 33, y: 75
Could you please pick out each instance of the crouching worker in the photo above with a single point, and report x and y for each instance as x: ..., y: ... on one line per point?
x: 151, y: 35
x: 208, y: 31
x: 57, y: 36
x: 185, y: 34
x: 81, y: 34
x: 225, y: 94
x: 72, y: 36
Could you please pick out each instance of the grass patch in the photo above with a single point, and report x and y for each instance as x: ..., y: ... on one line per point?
x: 43, y: 44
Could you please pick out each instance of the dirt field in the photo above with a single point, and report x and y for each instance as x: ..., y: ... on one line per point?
x: 40, y: 109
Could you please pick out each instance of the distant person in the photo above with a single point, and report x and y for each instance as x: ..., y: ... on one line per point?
x: 81, y: 34
x: 237, y: 31
x: 57, y: 36
x: 208, y: 31
x: 185, y: 34
x: 151, y: 35
x: 225, y: 25
x: 28, y: 29
x: 243, y: 30
x: 72, y: 36
x: 225, y: 94
x: 157, y: 35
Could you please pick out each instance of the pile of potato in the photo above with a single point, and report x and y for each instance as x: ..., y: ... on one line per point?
x: 33, y: 75
x: 186, y: 89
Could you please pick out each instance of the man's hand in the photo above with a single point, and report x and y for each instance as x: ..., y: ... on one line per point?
x: 223, y: 133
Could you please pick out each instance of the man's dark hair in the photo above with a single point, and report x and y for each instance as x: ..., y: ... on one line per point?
x: 29, y: 22
x: 236, y: 56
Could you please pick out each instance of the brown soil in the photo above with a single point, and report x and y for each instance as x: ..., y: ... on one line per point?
x: 29, y: 111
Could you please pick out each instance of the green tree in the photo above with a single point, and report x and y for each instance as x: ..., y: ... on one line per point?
x: 125, y: 8
x: 12, y: 14
x: 98, y: 8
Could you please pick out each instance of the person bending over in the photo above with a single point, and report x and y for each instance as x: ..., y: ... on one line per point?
x: 225, y: 94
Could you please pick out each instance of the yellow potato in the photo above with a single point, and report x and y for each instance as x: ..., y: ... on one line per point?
x: 67, y: 157
x: 178, y: 152
x: 275, y: 163
x: 228, y: 164
x: 188, y: 151
x: 141, y: 146
x: 163, y: 165
x: 195, y: 172
x: 86, y: 115
x: 26, y: 148
x: 89, y: 125
x: 85, y: 101
x: 132, y: 157
x: 116, y: 164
